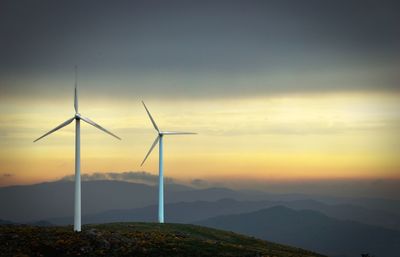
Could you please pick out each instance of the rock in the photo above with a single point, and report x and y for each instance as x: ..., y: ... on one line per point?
x: 180, y: 235
x: 92, y: 232
x: 105, y: 244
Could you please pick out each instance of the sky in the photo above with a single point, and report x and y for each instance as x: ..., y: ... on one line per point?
x: 278, y: 91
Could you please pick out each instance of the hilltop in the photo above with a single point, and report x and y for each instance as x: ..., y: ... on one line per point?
x: 136, y: 239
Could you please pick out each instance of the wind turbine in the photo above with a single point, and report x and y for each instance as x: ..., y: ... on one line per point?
x: 77, y: 117
x: 159, y: 139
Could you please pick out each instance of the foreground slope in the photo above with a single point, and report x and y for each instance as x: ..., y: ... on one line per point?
x: 136, y: 239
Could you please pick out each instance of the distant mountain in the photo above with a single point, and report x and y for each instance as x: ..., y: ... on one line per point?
x: 108, y: 201
x: 55, y: 199
x: 311, y: 230
x: 348, y: 211
x: 186, y: 212
x: 5, y: 222
x: 182, y: 212
x: 137, y: 239
x: 40, y: 223
x: 388, y: 205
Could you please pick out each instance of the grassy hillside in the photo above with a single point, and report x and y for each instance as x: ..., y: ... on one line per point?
x: 136, y: 239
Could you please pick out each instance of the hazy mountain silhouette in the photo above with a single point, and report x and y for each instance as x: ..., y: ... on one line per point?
x: 312, y: 230
x: 41, y: 223
x: 348, y: 211
x: 5, y: 222
x: 387, y: 205
x: 55, y: 199
x: 182, y: 212
x: 186, y: 212
x: 108, y: 201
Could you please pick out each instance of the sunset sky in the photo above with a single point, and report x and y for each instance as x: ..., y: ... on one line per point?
x: 277, y: 90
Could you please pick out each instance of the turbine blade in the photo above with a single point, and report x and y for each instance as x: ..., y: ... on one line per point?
x: 151, y: 149
x: 76, y: 90
x: 151, y: 118
x: 177, y: 133
x: 94, y: 124
x: 65, y: 123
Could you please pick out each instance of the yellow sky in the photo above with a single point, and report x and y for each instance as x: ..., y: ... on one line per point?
x: 282, y: 137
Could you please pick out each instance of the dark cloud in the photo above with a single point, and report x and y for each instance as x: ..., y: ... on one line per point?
x: 204, y: 47
x: 200, y: 183
x: 129, y: 176
x: 5, y: 177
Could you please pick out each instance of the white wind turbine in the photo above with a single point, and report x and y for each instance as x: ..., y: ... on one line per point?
x: 159, y: 139
x: 77, y: 117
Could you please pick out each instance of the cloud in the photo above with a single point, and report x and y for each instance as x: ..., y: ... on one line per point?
x: 199, y: 183
x: 129, y: 176
x: 202, y: 48
x: 374, y: 188
x: 5, y: 177
x: 310, y: 128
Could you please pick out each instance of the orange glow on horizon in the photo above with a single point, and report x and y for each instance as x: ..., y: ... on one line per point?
x: 298, y: 137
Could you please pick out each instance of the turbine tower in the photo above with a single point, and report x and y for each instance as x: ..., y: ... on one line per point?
x: 159, y: 139
x: 77, y: 117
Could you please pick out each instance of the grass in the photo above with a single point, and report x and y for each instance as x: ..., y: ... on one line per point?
x: 136, y: 239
